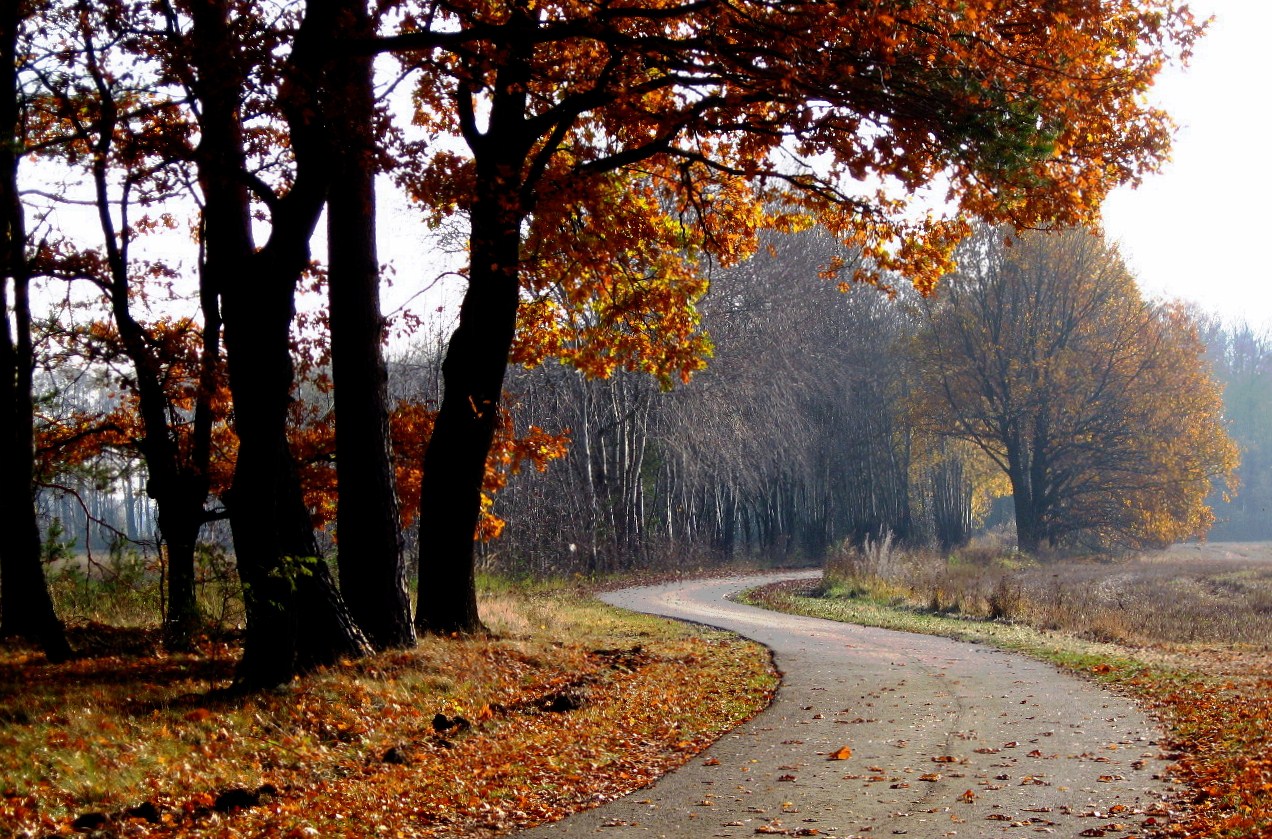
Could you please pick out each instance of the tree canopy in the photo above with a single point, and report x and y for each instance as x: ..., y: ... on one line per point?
x: 597, y: 137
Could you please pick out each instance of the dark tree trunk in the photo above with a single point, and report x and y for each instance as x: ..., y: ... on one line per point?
x: 372, y: 568
x: 455, y: 461
x: 183, y: 619
x: 295, y: 617
x: 1028, y: 517
x: 477, y: 355
x: 26, y: 609
x: 257, y: 349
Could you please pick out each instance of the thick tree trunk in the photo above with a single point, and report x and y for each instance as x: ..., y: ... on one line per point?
x: 26, y: 609
x: 1028, y: 519
x: 294, y: 614
x: 372, y: 568
x: 477, y: 356
x: 296, y: 620
x: 180, y: 539
x: 455, y: 461
x: 260, y: 379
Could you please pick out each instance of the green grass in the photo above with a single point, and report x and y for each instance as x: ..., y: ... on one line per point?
x: 1061, y: 649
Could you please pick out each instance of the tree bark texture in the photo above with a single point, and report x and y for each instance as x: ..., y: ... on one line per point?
x: 296, y: 619
x: 370, y: 560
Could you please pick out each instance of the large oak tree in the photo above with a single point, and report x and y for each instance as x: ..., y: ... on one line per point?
x: 1099, y: 406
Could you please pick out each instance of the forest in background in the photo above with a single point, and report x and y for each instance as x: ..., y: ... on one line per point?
x: 801, y: 438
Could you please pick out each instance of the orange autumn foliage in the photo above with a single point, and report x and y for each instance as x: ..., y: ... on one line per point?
x: 73, y: 437
x: 410, y: 428
x: 1097, y: 405
x: 657, y: 138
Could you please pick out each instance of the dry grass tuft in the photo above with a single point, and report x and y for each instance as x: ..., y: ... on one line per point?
x: 1188, y: 596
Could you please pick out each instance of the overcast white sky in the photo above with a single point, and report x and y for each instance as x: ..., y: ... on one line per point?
x: 1200, y: 230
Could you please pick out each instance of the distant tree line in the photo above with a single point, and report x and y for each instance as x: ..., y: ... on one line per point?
x: 1242, y: 361
x: 1036, y: 372
x: 827, y: 417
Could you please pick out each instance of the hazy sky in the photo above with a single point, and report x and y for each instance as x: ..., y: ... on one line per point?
x: 1199, y: 230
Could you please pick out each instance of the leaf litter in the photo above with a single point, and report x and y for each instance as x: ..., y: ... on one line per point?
x: 461, y: 736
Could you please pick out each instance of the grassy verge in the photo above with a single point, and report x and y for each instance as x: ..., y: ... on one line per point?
x: 1216, y: 709
x: 570, y: 704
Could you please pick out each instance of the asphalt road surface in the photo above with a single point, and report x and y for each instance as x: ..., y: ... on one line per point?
x: 946, y: 739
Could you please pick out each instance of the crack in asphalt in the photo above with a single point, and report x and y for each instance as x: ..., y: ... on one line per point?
x: 948, y: 739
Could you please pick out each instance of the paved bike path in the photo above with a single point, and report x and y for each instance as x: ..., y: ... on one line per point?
x: 947, y: 739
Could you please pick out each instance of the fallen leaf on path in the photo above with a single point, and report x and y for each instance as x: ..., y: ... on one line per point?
x: 843, y: 754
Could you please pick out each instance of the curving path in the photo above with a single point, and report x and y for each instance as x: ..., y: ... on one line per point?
x: 947, y: 739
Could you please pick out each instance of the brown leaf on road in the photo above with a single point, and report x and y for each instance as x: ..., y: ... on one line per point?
x: 842, y: 754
